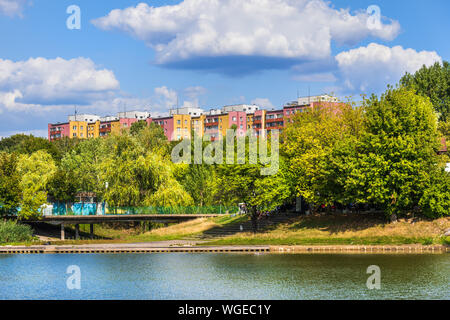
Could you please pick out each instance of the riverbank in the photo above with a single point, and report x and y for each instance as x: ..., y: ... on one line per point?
x: 200, y: 247
x: 282, y: 230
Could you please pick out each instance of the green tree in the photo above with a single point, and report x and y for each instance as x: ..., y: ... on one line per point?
x: 137, y: 127
x: 432, y: 82
x: 435, y: 199
x: 396, y: 151
x: 152, y: 138
x: 10, y: 192
x: 36, y: 171
x: 62, y: 186
x: 84, y: 163
x: 200, y: 182
x: 28, y: 144
x: 310, y: 141
x: 244, y: 183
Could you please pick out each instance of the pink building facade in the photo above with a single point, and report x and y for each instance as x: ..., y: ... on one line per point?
x: 238, y: 118
x: 58, y: 131
x: 167, y: 125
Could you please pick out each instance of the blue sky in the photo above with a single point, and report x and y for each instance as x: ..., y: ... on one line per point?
x: 151, y: 54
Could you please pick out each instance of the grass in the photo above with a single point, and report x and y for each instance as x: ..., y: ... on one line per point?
x: 349, y: 229
x: 338, y: 229
x: 186, y: 229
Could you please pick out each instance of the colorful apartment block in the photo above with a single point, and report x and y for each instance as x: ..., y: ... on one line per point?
x: 182, y: 121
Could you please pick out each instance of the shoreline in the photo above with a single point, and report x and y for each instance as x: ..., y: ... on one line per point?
x: 167, y: 247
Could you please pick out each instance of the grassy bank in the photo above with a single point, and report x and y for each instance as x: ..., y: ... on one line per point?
x: 339, y: 229
x: 346, y: 230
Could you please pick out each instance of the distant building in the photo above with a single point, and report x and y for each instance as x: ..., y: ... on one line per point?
x: 182, y: 121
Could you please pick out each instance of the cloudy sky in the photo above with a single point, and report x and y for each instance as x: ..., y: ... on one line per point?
x: 153, y: 55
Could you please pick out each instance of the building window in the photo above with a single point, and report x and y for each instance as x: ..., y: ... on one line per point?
x: 74, y: 127
x: 234, y: 118
x: 178, y: 121
x: 74, y: 134
x: 81, y: 128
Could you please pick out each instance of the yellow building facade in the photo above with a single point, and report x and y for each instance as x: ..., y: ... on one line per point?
x: 78, y: 129
x: 181, y: 126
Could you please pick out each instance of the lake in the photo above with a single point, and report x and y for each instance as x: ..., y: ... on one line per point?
x: 224, y: 276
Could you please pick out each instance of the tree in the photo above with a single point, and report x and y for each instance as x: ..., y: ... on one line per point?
x: 396, y: 152
x: 62, y: 187
x: 27, y: 144
x: 36, y: 171
x: 137, y: 127
x: 435, y: 200
x: 138, y: 176
x: 200, y: 182
x: 434, y: 83
x: 84, y: 163
x: 244, y: 183
x: 310, y: 141
x: 152, y: 138
x: 10, y: 191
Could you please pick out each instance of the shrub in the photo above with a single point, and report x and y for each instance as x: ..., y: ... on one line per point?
x: 11, y: 231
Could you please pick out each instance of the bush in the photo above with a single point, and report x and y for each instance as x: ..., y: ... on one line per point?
x: 435, y: 201
x: 11, y: 231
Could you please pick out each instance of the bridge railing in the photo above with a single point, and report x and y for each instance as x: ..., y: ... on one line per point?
x: 87, y: 209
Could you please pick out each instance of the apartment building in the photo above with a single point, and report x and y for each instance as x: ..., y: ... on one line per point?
x: 182, y: 121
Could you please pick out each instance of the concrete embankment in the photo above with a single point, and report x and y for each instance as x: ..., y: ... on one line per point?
x: 196, y: 247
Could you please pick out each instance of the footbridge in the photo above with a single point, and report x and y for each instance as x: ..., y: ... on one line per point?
x: 96, y: 219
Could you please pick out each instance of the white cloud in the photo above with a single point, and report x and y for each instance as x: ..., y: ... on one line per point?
x: 166, y: 98
x: 40, y: 82
x: 292, y: 29
x: 264, y: 103
x: 12, y: 7
x: 371, y: 68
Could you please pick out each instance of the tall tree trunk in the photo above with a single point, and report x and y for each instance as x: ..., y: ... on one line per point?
x: 254, y: 218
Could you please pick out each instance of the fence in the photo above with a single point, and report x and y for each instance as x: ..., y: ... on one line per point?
x: 87, y: 209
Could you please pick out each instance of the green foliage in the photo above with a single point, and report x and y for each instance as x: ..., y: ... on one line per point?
x: 435, y: 200
x: 84, y: 164
x: 36, y: 171
x: 432, y: 82
x: 11, y: 232
x: 396, y: 152
x: 28, y: 144
x: 200, y: 181
x: 10, y: 192
x: 311, y: 144
x: 137, y: 127
x: 62, y: 187
x: 152, y: 138
x: 245, y: 183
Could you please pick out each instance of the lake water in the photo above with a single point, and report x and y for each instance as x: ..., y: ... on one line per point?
x: 224, y: 276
